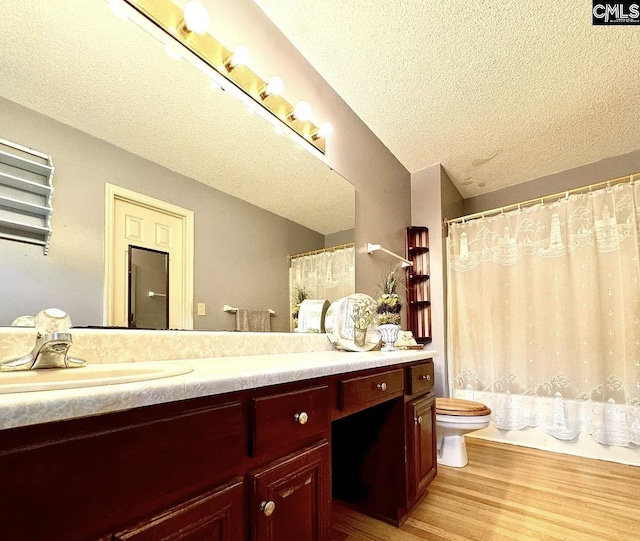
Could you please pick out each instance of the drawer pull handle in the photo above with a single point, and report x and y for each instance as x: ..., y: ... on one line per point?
x: 382, y: 386
x: 419, y: 420
x: 301, y: 417
x: 427, y: 377
x: 268, y: 508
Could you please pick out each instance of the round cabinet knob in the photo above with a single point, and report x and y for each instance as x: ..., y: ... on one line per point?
x: 301, y: 417
x: 382, y: 386
x: 427, y: 377
x: 268, y: 508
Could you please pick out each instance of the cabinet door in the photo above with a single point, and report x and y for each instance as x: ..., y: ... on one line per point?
x: 214, y: 516
x: 291, y: 499
x: 422, y: 457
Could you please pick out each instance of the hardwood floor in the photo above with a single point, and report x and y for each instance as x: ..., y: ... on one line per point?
x: 511, y: 492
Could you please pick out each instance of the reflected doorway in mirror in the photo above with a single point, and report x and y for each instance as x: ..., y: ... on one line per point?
x: 145, y: 222
x: 148, y: 291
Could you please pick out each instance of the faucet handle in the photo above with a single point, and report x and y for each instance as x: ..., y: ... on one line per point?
x: 52, y: 320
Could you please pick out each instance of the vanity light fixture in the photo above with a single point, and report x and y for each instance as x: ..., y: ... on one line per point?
x: 325, y: 130
x: 118, y: 9
x: 240, y: 57
x: 171, y: 52
x: 214, y: 84
x: 302, y: 111
x: 196, y: 18
x: 187, y: 30
x: 274, y: 87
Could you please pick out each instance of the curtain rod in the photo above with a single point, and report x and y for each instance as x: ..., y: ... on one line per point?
x: 323, y: 250
x: 619, y: 180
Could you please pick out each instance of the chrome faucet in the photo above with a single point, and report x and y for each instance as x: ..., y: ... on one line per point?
x: 52, y: 345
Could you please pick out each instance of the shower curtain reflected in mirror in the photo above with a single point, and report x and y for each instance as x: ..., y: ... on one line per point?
x: 148, y: 288
x: 326, y: 274
x: 544, y: 316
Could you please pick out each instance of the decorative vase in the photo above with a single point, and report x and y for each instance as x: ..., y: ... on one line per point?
x: 359, y: 336
x: 389, y: 333
x: 340, y: 324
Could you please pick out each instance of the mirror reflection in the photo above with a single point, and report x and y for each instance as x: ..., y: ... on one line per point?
x: 104, y: 100
x: 148, y: 289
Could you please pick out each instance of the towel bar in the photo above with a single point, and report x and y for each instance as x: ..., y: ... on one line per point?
x: 233, y: 310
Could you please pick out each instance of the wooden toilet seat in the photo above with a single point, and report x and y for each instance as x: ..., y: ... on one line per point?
x: 458, y: 406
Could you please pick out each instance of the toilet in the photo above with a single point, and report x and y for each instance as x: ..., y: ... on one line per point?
x: 456, y: 417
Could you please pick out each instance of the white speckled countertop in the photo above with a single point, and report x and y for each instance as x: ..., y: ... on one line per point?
x: 210, y: 376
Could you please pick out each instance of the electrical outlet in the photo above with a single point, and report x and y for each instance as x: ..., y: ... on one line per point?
x: 202, y: 309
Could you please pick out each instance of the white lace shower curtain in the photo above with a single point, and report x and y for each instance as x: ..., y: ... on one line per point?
x: 544, y: 315
x: 325, y: 275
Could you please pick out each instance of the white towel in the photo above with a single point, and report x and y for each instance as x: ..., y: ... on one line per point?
x: 253, y: 320
x: 312, y: 315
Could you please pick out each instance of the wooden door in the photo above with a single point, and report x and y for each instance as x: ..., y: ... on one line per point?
x: 145, y: 227
x: 291, y: 499
x: 217, y: 515
x: 422, y: 453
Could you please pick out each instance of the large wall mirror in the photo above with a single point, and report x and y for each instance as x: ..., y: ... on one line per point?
x: 106, y: 101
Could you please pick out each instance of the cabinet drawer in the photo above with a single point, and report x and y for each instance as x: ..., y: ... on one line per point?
x: 364, y: 391
x: 421, y: 378
x: 282, y: 420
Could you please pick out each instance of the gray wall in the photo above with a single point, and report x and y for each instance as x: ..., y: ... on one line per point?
x: 240, y: 250
x: 341, y: 237
x: 383, y: 185
x: 452, y: 206
x: 434, y: 198
x: 452, y: 203
x: 592, y: 173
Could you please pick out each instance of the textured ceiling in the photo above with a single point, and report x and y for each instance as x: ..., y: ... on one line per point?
x: 74, y: 61
x: 498, y: 92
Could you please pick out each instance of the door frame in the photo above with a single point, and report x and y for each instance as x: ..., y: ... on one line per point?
x: 113, y: 193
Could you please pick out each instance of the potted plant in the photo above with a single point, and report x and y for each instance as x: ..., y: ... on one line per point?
x: 388, y: 308
x: 298, y: 296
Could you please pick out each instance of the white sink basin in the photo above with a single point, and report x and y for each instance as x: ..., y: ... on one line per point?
x: 87, y: 376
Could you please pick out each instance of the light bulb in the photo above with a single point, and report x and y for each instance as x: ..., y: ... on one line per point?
x: 196, y: 17
x: 325, y: 130
x: 301, y: 111
x: 240, y: 57
x: 273, y: 88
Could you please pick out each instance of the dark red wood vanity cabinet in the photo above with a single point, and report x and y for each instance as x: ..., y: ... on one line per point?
x: 92, y: 477
x: 421, y: 451
x: 255, y: 465
x: 422, y: 465
x: 217, y: 515
x: 290, y: 499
